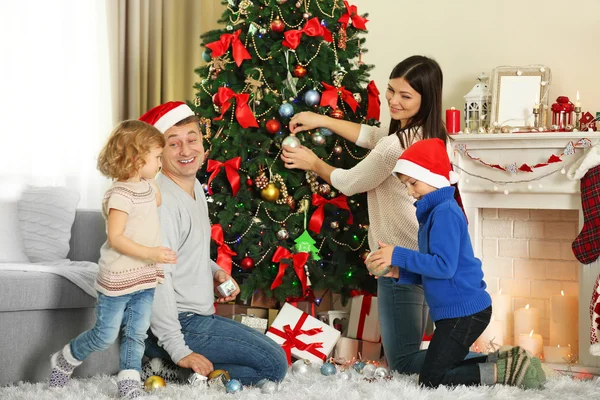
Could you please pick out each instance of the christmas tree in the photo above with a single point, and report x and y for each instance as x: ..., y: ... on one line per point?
x: 278, y: 229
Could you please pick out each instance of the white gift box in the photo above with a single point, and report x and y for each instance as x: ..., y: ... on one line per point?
x: 260, y: 324
x: 295, y: 330
x: 364, y: 319
x: 347, y: 349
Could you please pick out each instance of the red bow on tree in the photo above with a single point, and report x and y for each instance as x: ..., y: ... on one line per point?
x: 316, y: 221
x: 352, y: 13
x: 329, y: 97
x: 239, y: 51
x: 224, y: 253
x: 243, y: 113
x: 312, y: 28
x: 374, y: 103
x: 298, y: 261
x: 231, y: 169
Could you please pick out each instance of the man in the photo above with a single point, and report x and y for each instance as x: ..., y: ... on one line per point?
x: 183, y: 319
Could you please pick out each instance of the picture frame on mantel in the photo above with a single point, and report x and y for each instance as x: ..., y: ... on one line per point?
x: 515, y: 91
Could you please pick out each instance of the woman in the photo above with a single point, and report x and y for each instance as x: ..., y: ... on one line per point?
x: 414, y: 96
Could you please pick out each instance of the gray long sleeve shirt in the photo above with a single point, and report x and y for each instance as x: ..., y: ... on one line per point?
x: 188, y: 285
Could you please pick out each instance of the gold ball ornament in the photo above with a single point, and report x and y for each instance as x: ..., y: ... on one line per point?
x: 270, y: 193
x: 300, y: 71
x: 218, y: 377
x: 154, y: 382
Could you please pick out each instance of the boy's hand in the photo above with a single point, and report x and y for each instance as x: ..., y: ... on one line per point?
x: 162, y: 255
x: 380, y: 260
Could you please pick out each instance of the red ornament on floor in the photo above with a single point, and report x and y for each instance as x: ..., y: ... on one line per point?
x: 300, y: 71
x: 247, y: 264
x: 273, y: 126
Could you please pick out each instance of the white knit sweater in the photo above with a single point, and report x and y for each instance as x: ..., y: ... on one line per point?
x: 392, y: 218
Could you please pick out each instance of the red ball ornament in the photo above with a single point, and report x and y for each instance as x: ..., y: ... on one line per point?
x: 215, y: 100
x: 337, y: 113
x: 247, y: 264
x: 273, y: 126
x: 300, y: 71
x: 277, y: 25
x: 249, y: 182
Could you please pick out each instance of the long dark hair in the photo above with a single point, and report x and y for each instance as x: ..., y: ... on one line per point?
x: 425, y: 76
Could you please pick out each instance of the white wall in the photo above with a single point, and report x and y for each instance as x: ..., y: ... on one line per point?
x: 468, y: 37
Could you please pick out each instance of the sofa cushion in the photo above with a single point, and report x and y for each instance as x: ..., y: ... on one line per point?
x: 28, y: 290
x: 46, y: 215
x: 11, y: 242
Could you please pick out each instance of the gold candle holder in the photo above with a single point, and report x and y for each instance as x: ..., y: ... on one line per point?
x: 536, y: 117
x: 577, y: 115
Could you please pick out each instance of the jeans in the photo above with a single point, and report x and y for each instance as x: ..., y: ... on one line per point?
x: 248, y: 355
x: 445, y: 362
x: 132, y: 312
x: 403, y: 316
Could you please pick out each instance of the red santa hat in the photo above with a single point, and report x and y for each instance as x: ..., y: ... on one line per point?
x: 166, y: 115
x: 427, y: 161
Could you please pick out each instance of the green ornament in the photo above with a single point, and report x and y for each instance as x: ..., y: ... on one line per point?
x: 305, y: 243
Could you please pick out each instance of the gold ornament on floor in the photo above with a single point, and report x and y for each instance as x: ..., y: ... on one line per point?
x: 154, y: 382
x: 219, y: 377
x: 270, y: 193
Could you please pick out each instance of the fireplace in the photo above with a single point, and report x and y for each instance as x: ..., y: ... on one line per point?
x: 522, y: 224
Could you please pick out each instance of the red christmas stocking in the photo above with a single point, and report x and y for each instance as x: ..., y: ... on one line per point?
x: 586, y: 246
x: 459, y: 200
x: 595, y: 320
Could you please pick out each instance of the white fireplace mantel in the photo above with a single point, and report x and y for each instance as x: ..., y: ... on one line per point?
x: 548, y: 188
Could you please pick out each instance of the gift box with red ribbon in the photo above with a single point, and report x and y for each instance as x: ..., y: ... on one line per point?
x: 364, y: 319
x: 347, y: 348
x: 302, y: 336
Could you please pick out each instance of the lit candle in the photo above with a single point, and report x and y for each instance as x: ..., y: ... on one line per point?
x: 526, y: 320
x: 577, y: 102
x: 492, y: 334
x: 452, y: 120
x: 532, y: 342
x: 536, y: 104
x: 502, y: 306
x: 557, y: 354
x: 564, y: 318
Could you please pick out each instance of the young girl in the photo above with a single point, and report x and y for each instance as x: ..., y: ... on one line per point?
x: 452, y: 278
x: 129, y: 260
x: 414, y: 97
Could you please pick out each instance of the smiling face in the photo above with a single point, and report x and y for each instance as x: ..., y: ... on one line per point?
x: 404, y: 102
x: 152, y: 163
x: 416, y: 189
x: 183, y: 154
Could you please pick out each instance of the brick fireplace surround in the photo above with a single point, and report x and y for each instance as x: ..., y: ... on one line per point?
x: 523, y: 231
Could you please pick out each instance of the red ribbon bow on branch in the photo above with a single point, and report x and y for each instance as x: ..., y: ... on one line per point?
x: 224, y: 253
x: 352, y: 13
x: 291, y: 339
x: 312, y: 28
x: 298, y: 261
x: 329, y: 97
x: 374, y: 103
x: 243, y: 113
x: 231, y: 168
x: 316, y: 220
x: 239, y: 51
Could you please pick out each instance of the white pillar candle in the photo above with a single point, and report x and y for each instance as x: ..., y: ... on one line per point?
x: 556, y: 354
x: 532, y: 342
x: 493, y: 333
x: 502, y: 309
x: 526, y: 320
x: 564, y: 321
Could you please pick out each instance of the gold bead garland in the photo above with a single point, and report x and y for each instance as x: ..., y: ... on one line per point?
x: 284, y: 192
x: 311, y: 58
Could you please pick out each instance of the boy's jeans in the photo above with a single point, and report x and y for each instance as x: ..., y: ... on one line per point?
x: 132, y: 312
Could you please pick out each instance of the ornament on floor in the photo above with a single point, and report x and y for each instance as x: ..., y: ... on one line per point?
x: 382, y: 372
x: 218, y: 378
x: 266, y: 386
x: 312, y: 97
x: 369, y: 370
x: 291, y: 141
x: 359, y: 366
x: 195, y: 379
x: 282, y: 234
x: 277, y: 25
x: 286, y: 110
x: 247, y: 264
x: 300, y: 71
x: 273, y: 126
x: 325, y: 131
x: 154, y: 382
x: 270, y: 193
x: 233, y: 386
x: 328, y: 369
x: 337, y: 113
x: 300, y: 367
x: 318, y: 139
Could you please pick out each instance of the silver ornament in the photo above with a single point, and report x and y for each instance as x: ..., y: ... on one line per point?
x: 312, y: 98
x: 233, y: 386
x: 328, y: 369
x: 337, y: 150
x: 229, y: 27
x: 357, y: 97
x: 291, y: 141
x: 300, y: 366
x: 318, y: 139
x: 345, y: 375
x: 282, y: 234
x: 286, y: 110
x: 262, y: 31
x: 369, y: 370
x: 325, y: 132
x: 266, y: 386
x: 382, y: 372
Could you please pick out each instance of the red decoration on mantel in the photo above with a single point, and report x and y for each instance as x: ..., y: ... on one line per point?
x: 562, y: 112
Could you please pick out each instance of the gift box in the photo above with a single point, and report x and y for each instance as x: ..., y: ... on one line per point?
x: 272, y: 314
x: 262, y: 300
x: 347, y: 348
x: 364, y: 319
x: 336, y: 319
x: 228, y: 310
x: 302, y: 336
x: 305, y: 306
x: 260, y: 324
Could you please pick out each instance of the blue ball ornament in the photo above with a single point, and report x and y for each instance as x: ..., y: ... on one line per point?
x: 325, y: 132
x: 286, y: 110
x: 233, y: 386
x: 328, y: 369
x: 359, y: 366
x: 312, y: 97
x: 206, y: 55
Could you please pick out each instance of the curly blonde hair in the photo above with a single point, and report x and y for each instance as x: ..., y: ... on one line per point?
x: 123, y: 154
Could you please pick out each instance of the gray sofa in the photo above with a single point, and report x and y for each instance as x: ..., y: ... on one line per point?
x: 40, y: 313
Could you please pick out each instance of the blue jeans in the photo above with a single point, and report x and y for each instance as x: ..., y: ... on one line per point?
x: 246, y: 354
x: 132, y: 312
x: 403, y: 316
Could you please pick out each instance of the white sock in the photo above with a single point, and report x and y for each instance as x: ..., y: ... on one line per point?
x: 66, y: 351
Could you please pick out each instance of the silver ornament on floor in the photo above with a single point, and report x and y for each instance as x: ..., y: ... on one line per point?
x: 286, y: 110
x: 312, y: 97
x: 358, y: 366
x: 318, y: 139
x: 234, y: 386
x: 382, y: 372
x: 300, y: 366
x: 369, y: 370
x: 266, y: 386
x: 291, y: 141
x: 328, y: 369
x: 325, y: 132
x: 282, y: 234
x: 345, y: 375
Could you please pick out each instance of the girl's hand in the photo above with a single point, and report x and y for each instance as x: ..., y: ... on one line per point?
x: 299, y: 157
x: 305, y: 121
x: 381, y: 259
x: 162, y: 255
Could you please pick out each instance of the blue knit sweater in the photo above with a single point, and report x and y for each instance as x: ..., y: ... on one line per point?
x: 451, y: 274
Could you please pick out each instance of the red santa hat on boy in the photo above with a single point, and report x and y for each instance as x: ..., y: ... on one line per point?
x: 427, y: 161
x: 166, y: 115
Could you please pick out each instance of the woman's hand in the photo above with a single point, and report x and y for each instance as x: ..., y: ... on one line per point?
x: 306, y: 120
x: 299, y: 157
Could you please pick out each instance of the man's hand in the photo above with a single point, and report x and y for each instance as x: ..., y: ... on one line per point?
x: 219, y: 277
x: 198, y: 363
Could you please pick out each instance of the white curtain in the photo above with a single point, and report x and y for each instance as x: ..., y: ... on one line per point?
x: 56, y: 109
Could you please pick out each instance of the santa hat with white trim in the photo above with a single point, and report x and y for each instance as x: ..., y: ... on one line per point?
x: 427, y: 161
x: 166, y: 115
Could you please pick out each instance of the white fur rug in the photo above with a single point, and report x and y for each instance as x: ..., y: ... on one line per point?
x: 315, y: 386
